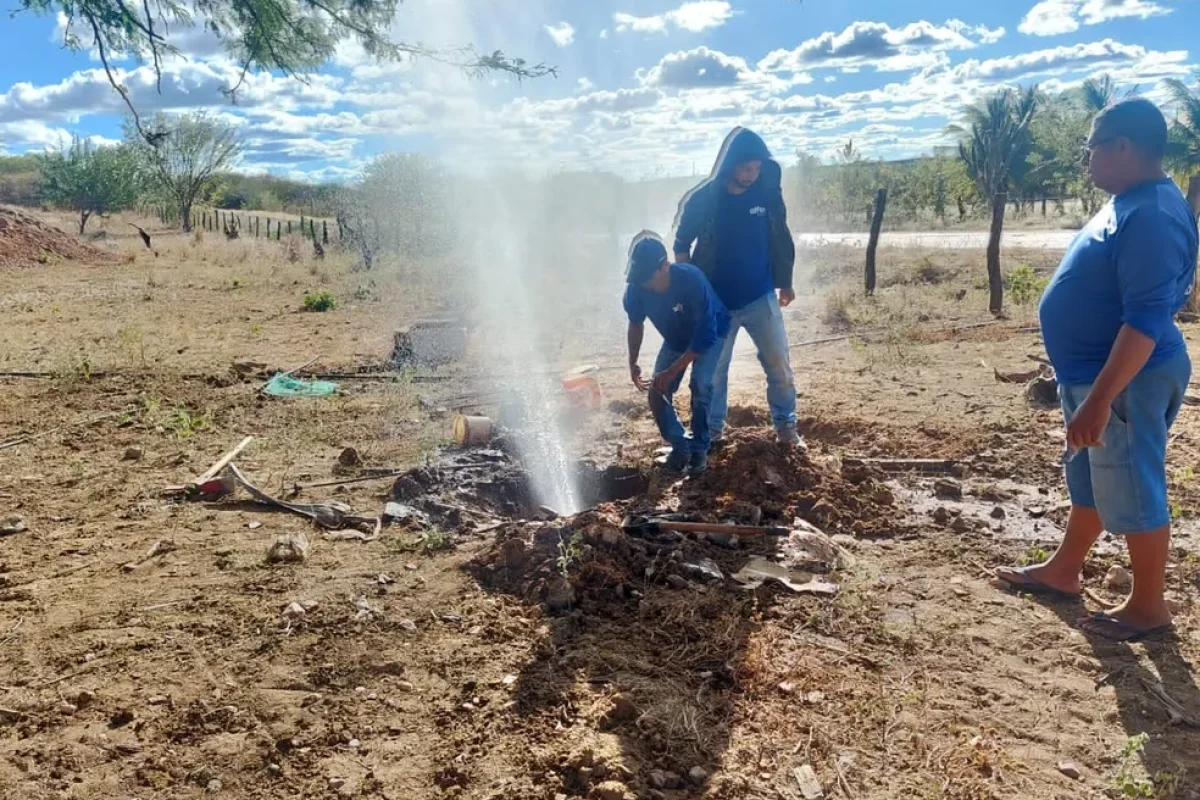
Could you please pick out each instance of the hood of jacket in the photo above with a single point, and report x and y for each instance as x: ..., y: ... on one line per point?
x: 740, y: 146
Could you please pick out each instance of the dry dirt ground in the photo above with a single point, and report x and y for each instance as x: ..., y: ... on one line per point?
x: 431, y: 664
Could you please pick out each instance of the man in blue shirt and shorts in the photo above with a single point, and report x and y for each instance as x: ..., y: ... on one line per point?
x: 678, y: 299
x: 1108, y: 321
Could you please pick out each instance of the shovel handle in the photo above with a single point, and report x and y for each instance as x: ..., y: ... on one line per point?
x: 715, y: 527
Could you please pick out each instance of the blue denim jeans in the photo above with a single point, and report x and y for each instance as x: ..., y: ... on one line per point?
x: 1126, y: 479
x: 663, y: 408
x: 763, y: 320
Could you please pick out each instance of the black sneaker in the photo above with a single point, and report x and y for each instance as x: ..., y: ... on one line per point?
x: 677, y: 461
x: 716, y: 444
x: 698, y: 464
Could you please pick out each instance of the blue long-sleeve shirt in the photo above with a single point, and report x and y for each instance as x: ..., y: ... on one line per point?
x: 1133, y: 264
x: 689, y: 315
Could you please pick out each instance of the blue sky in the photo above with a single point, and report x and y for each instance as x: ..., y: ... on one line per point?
x: 645, y: 87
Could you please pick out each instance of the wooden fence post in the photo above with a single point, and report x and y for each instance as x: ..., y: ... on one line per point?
x: 301, y: 226
x: 324, y: 231
x: 312, y: 229
x: 995, y: 282
x: 278, y: 230
x: 289, y: 227
x: 873, y: 242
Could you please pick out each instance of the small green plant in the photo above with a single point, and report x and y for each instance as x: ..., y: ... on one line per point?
x: 1034, y: 555
x: 320, y: 301
x: 1130, y: 784
x: 184, y: 425
x: 1024, y: 286
x: 569, y: 553
x: 75, y: 368
x: 433, y: 540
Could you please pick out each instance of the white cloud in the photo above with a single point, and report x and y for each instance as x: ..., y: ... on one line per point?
x: 584, y: 85
x: 561, y: 34
x: 696, y: 16
x: 878, y: 45
x: 1106, y: 53
x: 1055, y: 17
x: 699, y: 68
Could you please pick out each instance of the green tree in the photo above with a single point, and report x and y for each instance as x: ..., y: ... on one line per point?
x: 292, y: 37
x: 995, y: 147
x: 1183, y: 152
x: 401, y: 206
x: 183, y: 169
x: 88, y: 179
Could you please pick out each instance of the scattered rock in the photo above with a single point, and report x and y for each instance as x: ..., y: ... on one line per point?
x: 1070, y: 769
x: 941, y: 516
x: 254, y: 525
x: 677, y: 581
x: 623, y: 709
x: 1042, y: 391
x: 664, y: 780
x: 610, y: 790
x: 705, y: 570
x: 404, y: 514
x: 560, y: 595
x: 787, y: 687
x: 948, y: 489
x: 1037, y: 512
x: 12, y: 523
x: 214, y: 786
x: 1118, y: 579
x: 293, y: 611
x: 349, y: 457
x: 67, y: 709
x: 158, y: 700
x: 514, y: 553
x: 405, y: 686
x: 823, y: 512
x: 290, y: 548
x: 698, y: 776
x: 998, y: 513
x: 884, y: 496
x: 133, y: 454
x: 120, y: 719
x: 810, y: 785
x: 960, y: 525
x: 84, y: 698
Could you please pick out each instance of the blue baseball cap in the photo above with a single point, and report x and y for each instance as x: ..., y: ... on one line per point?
x: 646, y: 255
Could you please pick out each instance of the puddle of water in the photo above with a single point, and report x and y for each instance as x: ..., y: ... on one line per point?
x: 1028, y: 514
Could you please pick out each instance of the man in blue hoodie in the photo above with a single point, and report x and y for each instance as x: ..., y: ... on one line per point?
x: 1108, y: 320
x: 678, y: 299
x: 738, y: 222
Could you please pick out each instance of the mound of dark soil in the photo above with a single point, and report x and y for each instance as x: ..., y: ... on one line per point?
x: 26, y: 242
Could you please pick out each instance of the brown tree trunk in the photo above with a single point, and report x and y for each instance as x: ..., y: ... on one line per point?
x: 185, y: 216
x: 873, y: 242
x: 1193, y: 198
x: 995, y: 283
x: 83, y: 218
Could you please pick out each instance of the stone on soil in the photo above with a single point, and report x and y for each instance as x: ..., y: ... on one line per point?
x: 1118, y: 578
x: 290, y: 548
x: 948, y: 489
x: 1070, y: 769
x: 698, y: 775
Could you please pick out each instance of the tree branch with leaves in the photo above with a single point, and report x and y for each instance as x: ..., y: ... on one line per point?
x: 292, y: 37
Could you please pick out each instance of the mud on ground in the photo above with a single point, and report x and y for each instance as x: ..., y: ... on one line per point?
x: 426, y: 664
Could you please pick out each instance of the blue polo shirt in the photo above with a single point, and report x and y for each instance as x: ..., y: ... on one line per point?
x: 689, y: 315
x: 1133, y: 264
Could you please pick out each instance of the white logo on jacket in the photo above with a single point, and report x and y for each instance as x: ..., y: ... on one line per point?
x: 758, y: 211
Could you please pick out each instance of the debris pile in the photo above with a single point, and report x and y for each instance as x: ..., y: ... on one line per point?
x: 26, y: 242
x: 596, y: 559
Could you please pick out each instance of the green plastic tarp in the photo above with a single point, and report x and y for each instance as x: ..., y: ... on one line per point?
x: 287, y: 386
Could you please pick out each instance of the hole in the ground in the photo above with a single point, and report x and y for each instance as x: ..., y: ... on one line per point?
x: 492, y: 482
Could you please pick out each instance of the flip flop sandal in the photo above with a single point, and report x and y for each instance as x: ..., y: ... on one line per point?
x: 1031, y: 585
x: 1124, y: 631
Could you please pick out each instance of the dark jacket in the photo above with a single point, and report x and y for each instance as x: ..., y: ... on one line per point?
x: 696, y: 220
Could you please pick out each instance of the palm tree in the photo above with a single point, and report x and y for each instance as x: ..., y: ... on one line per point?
x: 995, y: 146
x: 1098, y: 94
x: 1183, y: 150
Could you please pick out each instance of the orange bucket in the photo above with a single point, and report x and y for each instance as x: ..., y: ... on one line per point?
x: 583, y: 390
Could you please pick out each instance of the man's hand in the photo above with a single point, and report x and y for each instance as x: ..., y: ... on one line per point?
x: 1086, y: 428
x: 662, y: 381
x: 786, y: 297
x: 635, y: 372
